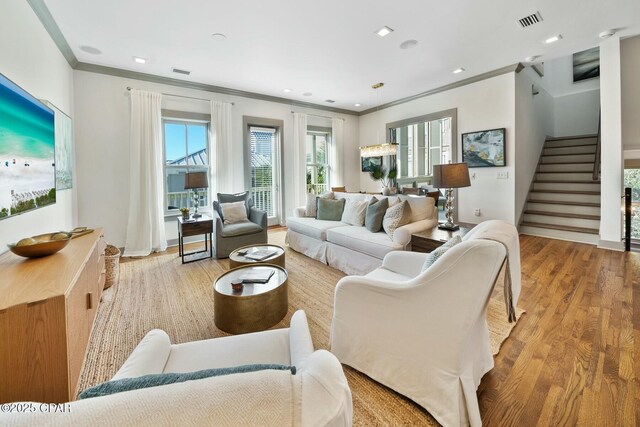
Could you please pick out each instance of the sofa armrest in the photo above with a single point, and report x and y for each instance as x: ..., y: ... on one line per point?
x: 299, y: 212
x: 402, y: 235
x: 300, y: 342
x: 258, y: 217
x: 404, y: 262
x: 149, y: 357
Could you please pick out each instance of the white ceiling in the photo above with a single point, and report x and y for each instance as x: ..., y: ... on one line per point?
x: 329, y: 47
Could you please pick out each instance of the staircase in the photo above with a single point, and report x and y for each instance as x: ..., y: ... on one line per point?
x: 564, y: 201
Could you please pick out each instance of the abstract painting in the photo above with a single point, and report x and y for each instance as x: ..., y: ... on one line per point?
x: 484, y: 148
x: 586, y: 64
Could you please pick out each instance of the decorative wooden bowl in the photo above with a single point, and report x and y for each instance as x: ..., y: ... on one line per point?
x: 44, y: 245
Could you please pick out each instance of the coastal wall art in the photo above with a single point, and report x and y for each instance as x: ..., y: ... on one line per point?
x: 27, y: 151
x: 484, y: 148
x: 64, y: 148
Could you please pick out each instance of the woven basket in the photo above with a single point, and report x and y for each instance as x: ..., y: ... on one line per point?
x: 112, y: 266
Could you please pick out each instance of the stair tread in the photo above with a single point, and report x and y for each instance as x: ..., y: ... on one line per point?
x: 564, y: 138
x: 568, y: 163
x: 568, y: 154
x: 558, y: 202
x: 589, y: 172
x: 567, y: 146
x: 561, y: 227
x: 554, y: 181
x: 594, y: 193
x: 564, y: 215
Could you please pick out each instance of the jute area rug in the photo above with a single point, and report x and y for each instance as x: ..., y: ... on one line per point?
x: 160, y: 292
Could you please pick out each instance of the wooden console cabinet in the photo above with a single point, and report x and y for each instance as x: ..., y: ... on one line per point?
x: 47, y: 309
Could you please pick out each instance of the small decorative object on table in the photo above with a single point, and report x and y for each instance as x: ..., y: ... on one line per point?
x: 237, y: 285
x: 185, y: 213
x: 41, y: 245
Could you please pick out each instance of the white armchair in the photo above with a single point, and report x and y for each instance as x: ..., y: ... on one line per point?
x: 423, y: 334
x: 318, y: 394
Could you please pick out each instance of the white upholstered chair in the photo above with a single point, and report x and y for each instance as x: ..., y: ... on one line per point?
x: 424, y: 334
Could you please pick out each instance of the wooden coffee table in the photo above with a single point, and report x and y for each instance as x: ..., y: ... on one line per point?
x: 256, y: 307
x: 239, y: 257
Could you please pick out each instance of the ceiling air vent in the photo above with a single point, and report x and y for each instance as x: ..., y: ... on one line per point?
x: 179, y: 71
x: 528, y: 21
x: 330, y: 101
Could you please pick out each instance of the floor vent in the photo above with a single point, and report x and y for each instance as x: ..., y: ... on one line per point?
x: 528, y: 21
x: 179, y: 71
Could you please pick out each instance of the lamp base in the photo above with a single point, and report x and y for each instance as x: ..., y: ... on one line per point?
x: 450, y: 227
x: 196, y: 215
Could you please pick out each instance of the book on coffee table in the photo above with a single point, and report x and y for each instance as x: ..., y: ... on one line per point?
x: 258, y: 276
x: 261, y: 254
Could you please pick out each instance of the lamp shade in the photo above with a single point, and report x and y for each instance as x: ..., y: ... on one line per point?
x: 195, y: 180
x: 451, y: 175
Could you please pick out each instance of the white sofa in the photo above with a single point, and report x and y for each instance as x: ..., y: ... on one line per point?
x: 354, y: 249
x: 424, y: 333
x: 317, y: 395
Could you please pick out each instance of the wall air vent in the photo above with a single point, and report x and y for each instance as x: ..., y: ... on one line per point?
x: 528, y: 21
x: 179, y: 71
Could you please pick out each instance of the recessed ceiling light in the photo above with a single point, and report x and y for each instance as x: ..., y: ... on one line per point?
x: 357, y: 105
x: 531, y: 58
x: 139, y: 60
x: 90, y: 49
x: 384, y: 31
x: 307, y: 94
x: 408, y: 44
x: 553, y: 39
x: 219, y: 37
x: 606, y: 34
x: 458, y: 70
x: 286, y: 90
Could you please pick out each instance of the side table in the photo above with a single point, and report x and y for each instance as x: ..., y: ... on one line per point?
x: 195, y: 227
x: 428, y: 240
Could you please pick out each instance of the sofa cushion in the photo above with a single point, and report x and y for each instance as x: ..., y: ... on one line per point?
x: 396, y: 216
x: 330, y: 210
x: 362, y: 240
x: 438, y: 252
x: 375, y: 214
x: 240, y: 229
x: 354, y: 212
x: 312, y: 227
x: 421, y: 207
x: 155, y: 380
x: 234, y: 212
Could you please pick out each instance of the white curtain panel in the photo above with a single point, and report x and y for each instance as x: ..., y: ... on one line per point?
x: 145, y: 228
x: 299, y: 159
x: 337, y: 156
x: 221, y: 160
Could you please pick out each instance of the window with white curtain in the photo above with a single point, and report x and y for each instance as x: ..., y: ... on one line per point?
x: 318, y: 146
x: 186, y: 149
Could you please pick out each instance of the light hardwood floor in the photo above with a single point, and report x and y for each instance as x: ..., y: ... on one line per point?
x: 574, y: 357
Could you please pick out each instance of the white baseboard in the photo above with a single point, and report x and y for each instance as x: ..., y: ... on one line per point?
x: 611, y: 245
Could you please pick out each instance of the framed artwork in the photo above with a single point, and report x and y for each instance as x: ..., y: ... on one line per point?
x: 484, y: 148
x: 369, y: 162
x: 586, y: 64
x: 64, y: 148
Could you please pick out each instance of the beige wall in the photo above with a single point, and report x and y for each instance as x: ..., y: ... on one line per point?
x: 630, y: 73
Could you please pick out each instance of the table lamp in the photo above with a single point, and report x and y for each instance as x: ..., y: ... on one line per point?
x: 450, y: 176
x: 196, y: 181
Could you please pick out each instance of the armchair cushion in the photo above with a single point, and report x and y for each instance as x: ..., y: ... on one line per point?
x: 230, y: 198
x: 234, y: 212
x: 155, y: 380
x: 240, y: 229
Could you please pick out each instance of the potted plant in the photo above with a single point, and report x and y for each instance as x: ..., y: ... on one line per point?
x: 185, y: 213
x: 385, y: 176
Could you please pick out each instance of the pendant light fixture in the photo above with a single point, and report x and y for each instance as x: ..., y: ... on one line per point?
x: 384, y: 149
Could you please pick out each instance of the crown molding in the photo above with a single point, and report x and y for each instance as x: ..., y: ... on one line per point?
x: 42, y: 12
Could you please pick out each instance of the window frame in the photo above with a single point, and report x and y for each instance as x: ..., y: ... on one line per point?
x: 185, y: 118
x: 315, y: 131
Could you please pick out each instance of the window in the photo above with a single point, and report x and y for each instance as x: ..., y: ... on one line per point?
x: 263, y: 188
x: 186, y: 149
x: 318, y: 141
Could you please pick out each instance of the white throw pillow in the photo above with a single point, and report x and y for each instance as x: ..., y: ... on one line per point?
x: 421, y: 207
x: 234, y: 212
x: 396, y: 216
x: 437, y: 253
x: 311, y: 208
x: 354, y: 212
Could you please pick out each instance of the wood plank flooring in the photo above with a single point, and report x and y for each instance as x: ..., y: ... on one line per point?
x: 574, y: 357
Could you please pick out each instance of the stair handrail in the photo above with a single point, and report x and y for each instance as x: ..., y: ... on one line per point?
x: 596, y: 163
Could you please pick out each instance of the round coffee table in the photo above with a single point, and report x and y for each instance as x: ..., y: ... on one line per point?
x: 242, y: 256
x: 258, y: 306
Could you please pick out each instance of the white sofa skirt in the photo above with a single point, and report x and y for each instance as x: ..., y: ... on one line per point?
x: 350, y: 261
x: 313, y: 248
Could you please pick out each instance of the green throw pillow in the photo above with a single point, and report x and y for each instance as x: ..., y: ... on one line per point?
x: 154, y: 380
x: 330, y: 210
x: 375, y: 214
x: 437, y: 253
